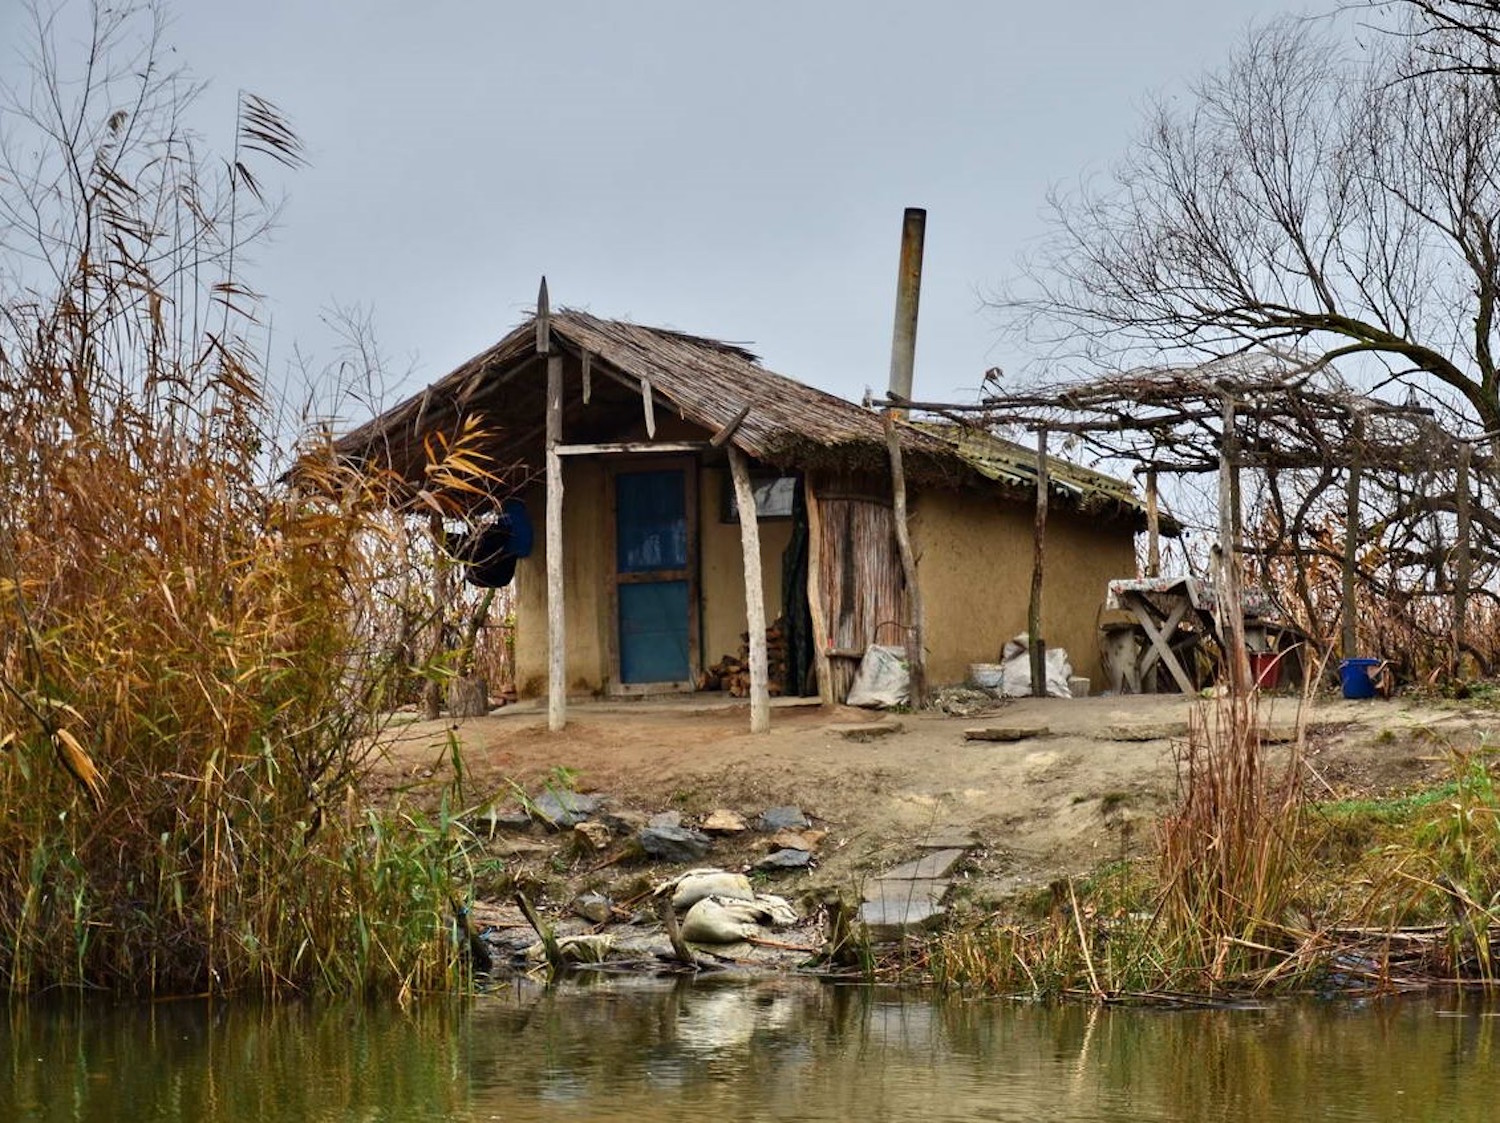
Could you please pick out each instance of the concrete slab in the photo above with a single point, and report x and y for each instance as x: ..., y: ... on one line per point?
x: 949, y: 837
x: 939, y: 863
x: 906, y: 890
x: 893, y: 908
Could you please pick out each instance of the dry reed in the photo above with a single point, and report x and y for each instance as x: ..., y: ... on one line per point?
x: 188, y: 683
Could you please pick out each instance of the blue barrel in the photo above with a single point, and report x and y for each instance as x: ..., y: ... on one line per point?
x: 1354, y: 676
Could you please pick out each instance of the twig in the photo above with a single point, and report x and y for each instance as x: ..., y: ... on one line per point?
x: 549, y: 941
x: 1083, y: 944
x: 680, y: 948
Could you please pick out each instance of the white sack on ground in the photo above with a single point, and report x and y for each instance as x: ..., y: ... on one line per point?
x: 714, y: 922
x: 1015, y: 681
x: 693, y: 886
x: 883, y: 679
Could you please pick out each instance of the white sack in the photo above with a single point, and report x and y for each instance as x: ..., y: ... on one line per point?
x: 883, y: 679
x: 1015, y: 681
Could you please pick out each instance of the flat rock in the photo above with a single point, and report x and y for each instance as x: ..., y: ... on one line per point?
x: 593, y: 907
x: 563, y: 809
x: 786, y: 859
x: 797, y: 840
x: 665, y: 819
x: 673, y: 844
x: 1005, y: 732
x: 861, y: 731
x: 783, y: 819
x: 1146, y: 731
x: 503, y: 819
x: 624, y: 820
x: 591, y: 835
x: 939, y: 863
x: 724, y: 821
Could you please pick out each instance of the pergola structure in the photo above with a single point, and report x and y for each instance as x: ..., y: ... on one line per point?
x: 1268, y: 413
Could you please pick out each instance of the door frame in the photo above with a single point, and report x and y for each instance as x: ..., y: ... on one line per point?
x: 624, y: 465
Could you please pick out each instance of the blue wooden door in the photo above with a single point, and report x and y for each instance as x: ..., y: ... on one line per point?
x: 653, y: 577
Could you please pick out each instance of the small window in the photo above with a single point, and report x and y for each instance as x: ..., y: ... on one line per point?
x: 773, y: 497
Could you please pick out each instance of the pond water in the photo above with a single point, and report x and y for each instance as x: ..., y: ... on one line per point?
x: 765, y: 1050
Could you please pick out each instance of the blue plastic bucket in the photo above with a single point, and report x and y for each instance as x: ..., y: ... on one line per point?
x: 1354, y: 676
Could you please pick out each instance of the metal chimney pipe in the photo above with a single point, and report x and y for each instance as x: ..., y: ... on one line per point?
x: 908, y: 295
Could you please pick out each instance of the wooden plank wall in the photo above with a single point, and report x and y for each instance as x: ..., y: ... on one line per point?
x: 859, y: 575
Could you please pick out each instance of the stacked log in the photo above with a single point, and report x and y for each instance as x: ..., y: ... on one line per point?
x: 732, y: 672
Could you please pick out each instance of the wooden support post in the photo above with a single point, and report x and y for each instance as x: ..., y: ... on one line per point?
x: 916, y: 638
x: 1153, y: 526
x: 586, y: 360
x: 755, y: 602
x: 721, y: 438
x: 557, y: 667
x: 1035, y: 641
x: 1349, y: 633
x: 442, y: 597
x: 1231, y: 611
x: 1463, y: 562
x: 815, y: 608
x: 1236, y: 512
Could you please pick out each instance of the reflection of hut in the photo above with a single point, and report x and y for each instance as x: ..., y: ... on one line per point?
x: 653, y: 575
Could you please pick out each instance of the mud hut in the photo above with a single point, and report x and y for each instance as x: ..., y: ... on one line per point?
x: 648, y: 576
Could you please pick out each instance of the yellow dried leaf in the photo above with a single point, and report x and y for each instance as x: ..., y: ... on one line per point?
x: 77, y: 761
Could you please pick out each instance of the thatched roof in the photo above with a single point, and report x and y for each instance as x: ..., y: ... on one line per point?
x: 1083, y: 489
x: 706, y: 382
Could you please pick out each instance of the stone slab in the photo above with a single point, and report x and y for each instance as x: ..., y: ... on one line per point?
x: 785, y: 818
x: 785, y: 859
x: 904, y: 890
x: 949, y: 838
x: 724, y: 821
x: 504, y: 818
x: 862, y: 731
x: 1006, y: 732
x: 561, y: 809
x: 1146, y: 731
x: 673, y: 844
x: 939, y: 863
x: 893, y: 908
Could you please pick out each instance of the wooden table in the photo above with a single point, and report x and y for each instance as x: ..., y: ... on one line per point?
x: 1160, y: 605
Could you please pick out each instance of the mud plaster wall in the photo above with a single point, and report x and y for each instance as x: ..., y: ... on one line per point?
x: 586, y: 575
x: 723, y: 568
x: 585, y: 588
x: 974, y: 562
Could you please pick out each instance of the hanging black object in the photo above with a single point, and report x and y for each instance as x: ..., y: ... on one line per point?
x: 490, y: 553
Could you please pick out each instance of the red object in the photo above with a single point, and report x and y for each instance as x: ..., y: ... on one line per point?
x: 1265, y: 668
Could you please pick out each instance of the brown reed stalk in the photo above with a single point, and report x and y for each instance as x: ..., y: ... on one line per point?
x: 191, y: 672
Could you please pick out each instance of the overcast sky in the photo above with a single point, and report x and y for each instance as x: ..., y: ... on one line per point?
x: 735, y: 170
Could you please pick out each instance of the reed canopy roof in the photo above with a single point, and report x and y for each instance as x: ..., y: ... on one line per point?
x: 705, y: 382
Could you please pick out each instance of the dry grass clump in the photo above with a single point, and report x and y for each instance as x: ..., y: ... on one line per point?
x: 1255, y: 890
x: 188, y: 682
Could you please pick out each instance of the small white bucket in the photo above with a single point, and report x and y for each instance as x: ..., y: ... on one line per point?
x: 986, y: 676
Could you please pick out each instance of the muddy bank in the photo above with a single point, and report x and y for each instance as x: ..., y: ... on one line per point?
x: 1026, y: 791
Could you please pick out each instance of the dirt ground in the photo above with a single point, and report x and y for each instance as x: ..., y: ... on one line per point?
x: 1086, y: 791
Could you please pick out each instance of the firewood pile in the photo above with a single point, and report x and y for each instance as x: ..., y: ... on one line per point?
x: 732, y: 673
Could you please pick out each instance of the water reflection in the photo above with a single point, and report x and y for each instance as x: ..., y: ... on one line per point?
x: 768, y: 1050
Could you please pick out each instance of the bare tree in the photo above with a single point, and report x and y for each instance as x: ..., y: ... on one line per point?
x: 1305, y: 200
x: 1457, y: 35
